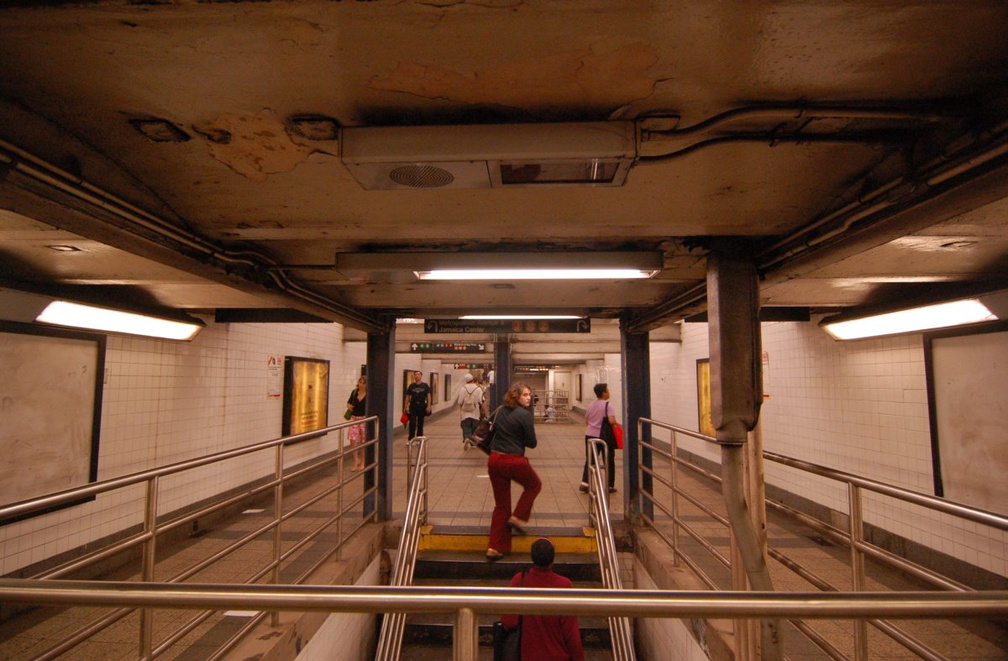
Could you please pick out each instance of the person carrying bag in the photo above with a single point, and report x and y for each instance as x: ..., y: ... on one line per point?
x: 540, y: 637
x: 599, y: 421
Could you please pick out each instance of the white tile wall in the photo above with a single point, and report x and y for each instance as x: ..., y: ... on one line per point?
x: 859, y: 407
x: 166, y: 402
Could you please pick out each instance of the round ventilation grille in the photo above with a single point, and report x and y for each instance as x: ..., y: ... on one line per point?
x: 421, y: 176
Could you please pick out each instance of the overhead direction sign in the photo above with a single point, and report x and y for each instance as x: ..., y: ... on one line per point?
x: 507, y: 325
x: 448, y: 347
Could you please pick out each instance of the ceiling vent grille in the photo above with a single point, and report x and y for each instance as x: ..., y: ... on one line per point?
x: 421, y: 176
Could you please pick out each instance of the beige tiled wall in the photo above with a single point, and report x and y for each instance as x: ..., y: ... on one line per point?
x: 859, y: 407
x: 165, y: 402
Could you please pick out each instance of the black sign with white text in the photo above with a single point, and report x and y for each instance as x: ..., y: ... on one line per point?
x: 507, y: 325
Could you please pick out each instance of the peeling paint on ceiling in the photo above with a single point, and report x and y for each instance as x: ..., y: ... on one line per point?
x: 583, y: 77
x: 256, y: 145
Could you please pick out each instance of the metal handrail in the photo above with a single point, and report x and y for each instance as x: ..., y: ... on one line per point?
x: 394, y: 623
x: 620, y: 630
x: 528, y: 601
x: 153, y: 527
x: 852, y: 537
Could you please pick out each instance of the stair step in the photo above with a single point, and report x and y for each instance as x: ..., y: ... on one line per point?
x: 453, y: 565
x: 438, y: 629
x: 476, y: 538
x: 440, y: 653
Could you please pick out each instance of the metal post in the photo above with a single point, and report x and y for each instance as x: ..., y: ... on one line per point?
x: 857, y: 568
x: 465, y: 636
x: 277, y: 514
x: 674, y: 475
x: 743, y: 640
x: 149, y: 562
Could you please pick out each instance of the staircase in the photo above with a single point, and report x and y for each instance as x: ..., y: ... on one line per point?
x: 455, y: 557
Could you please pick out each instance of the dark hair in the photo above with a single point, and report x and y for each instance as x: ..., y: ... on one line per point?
x: 543, y: 552
x: 513, y: 393
x: 600, y: 388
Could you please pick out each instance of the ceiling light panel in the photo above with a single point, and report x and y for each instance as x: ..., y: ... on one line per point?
x: 912, y: 320
x: 499, y: 266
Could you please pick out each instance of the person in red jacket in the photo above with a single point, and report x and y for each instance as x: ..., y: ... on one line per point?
x: 545, y: 637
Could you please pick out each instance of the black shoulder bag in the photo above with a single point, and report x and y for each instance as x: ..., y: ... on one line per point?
x: 483, y: 436
x: 507, y: 644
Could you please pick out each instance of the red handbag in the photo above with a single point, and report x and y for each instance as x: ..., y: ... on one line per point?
x: 617, y: 431
x: 404, y: 418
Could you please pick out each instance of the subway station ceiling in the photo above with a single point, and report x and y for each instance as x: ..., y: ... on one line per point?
x: 297, y: 160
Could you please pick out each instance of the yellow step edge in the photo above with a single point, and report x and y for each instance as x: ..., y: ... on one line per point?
x: 431, y: 541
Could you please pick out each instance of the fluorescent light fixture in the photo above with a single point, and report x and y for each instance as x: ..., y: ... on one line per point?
x: 534, y: 274
x: 520, y: 316
x: 396, y: 267
x: 76, y: 315
x: 927, y: 317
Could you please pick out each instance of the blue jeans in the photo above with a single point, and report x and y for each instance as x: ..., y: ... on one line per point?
x: 468, y: 427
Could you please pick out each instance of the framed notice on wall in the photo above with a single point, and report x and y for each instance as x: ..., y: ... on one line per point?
x: 51, y: 392
x: 967, y: 382
x: 705, y: 422
x: 306, y: 395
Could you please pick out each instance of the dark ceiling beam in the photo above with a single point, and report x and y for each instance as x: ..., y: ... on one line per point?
x: 912, y: 203
x: 930, y: 199
x: 36, y: 190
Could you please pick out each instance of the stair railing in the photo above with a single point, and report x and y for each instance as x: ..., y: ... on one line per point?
x: 393, y: 624
x: 271, y: 474
x: 659, y: 508
x: 620, y: 628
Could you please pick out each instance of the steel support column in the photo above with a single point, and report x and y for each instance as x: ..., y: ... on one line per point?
x: 736, y: 396
x: 502, y: 370
x: 635, y: 359
x: 381, y: 391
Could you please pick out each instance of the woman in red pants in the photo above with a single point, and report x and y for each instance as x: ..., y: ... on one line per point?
x: 514, y: 430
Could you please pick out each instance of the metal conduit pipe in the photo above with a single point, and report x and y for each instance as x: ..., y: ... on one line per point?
x: 772, y: 139
x: 895, y: 192
x: 797, y: 112
x: 732, y: 479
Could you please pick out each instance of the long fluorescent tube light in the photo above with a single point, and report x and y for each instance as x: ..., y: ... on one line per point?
x: 76, y: 315
x: 520, y: 316
x: 928, y: 317
x: 533, y: 274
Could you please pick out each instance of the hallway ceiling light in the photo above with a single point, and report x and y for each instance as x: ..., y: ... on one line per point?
x: 520, y: 316
x: 923, y: 318
x: 500, y: 266
x: 76, y: 315
x: 534, y: 274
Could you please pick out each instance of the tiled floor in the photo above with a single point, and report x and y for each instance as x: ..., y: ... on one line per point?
x: 459, y: 490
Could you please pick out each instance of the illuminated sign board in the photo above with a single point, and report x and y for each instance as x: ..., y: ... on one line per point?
x: 507, y: 325
x: 449, y: 347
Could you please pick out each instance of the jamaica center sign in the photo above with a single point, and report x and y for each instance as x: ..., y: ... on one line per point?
x: 507, y: 325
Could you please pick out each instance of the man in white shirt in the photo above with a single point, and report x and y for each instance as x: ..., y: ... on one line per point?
x: 470, y: 403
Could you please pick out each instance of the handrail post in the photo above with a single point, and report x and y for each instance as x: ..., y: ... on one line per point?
x: 277, y: 518
x: 465, y: 635
x: 674, y: 476
x: 856, y: 519
x: 340, y: 477
x: 149, y: 557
